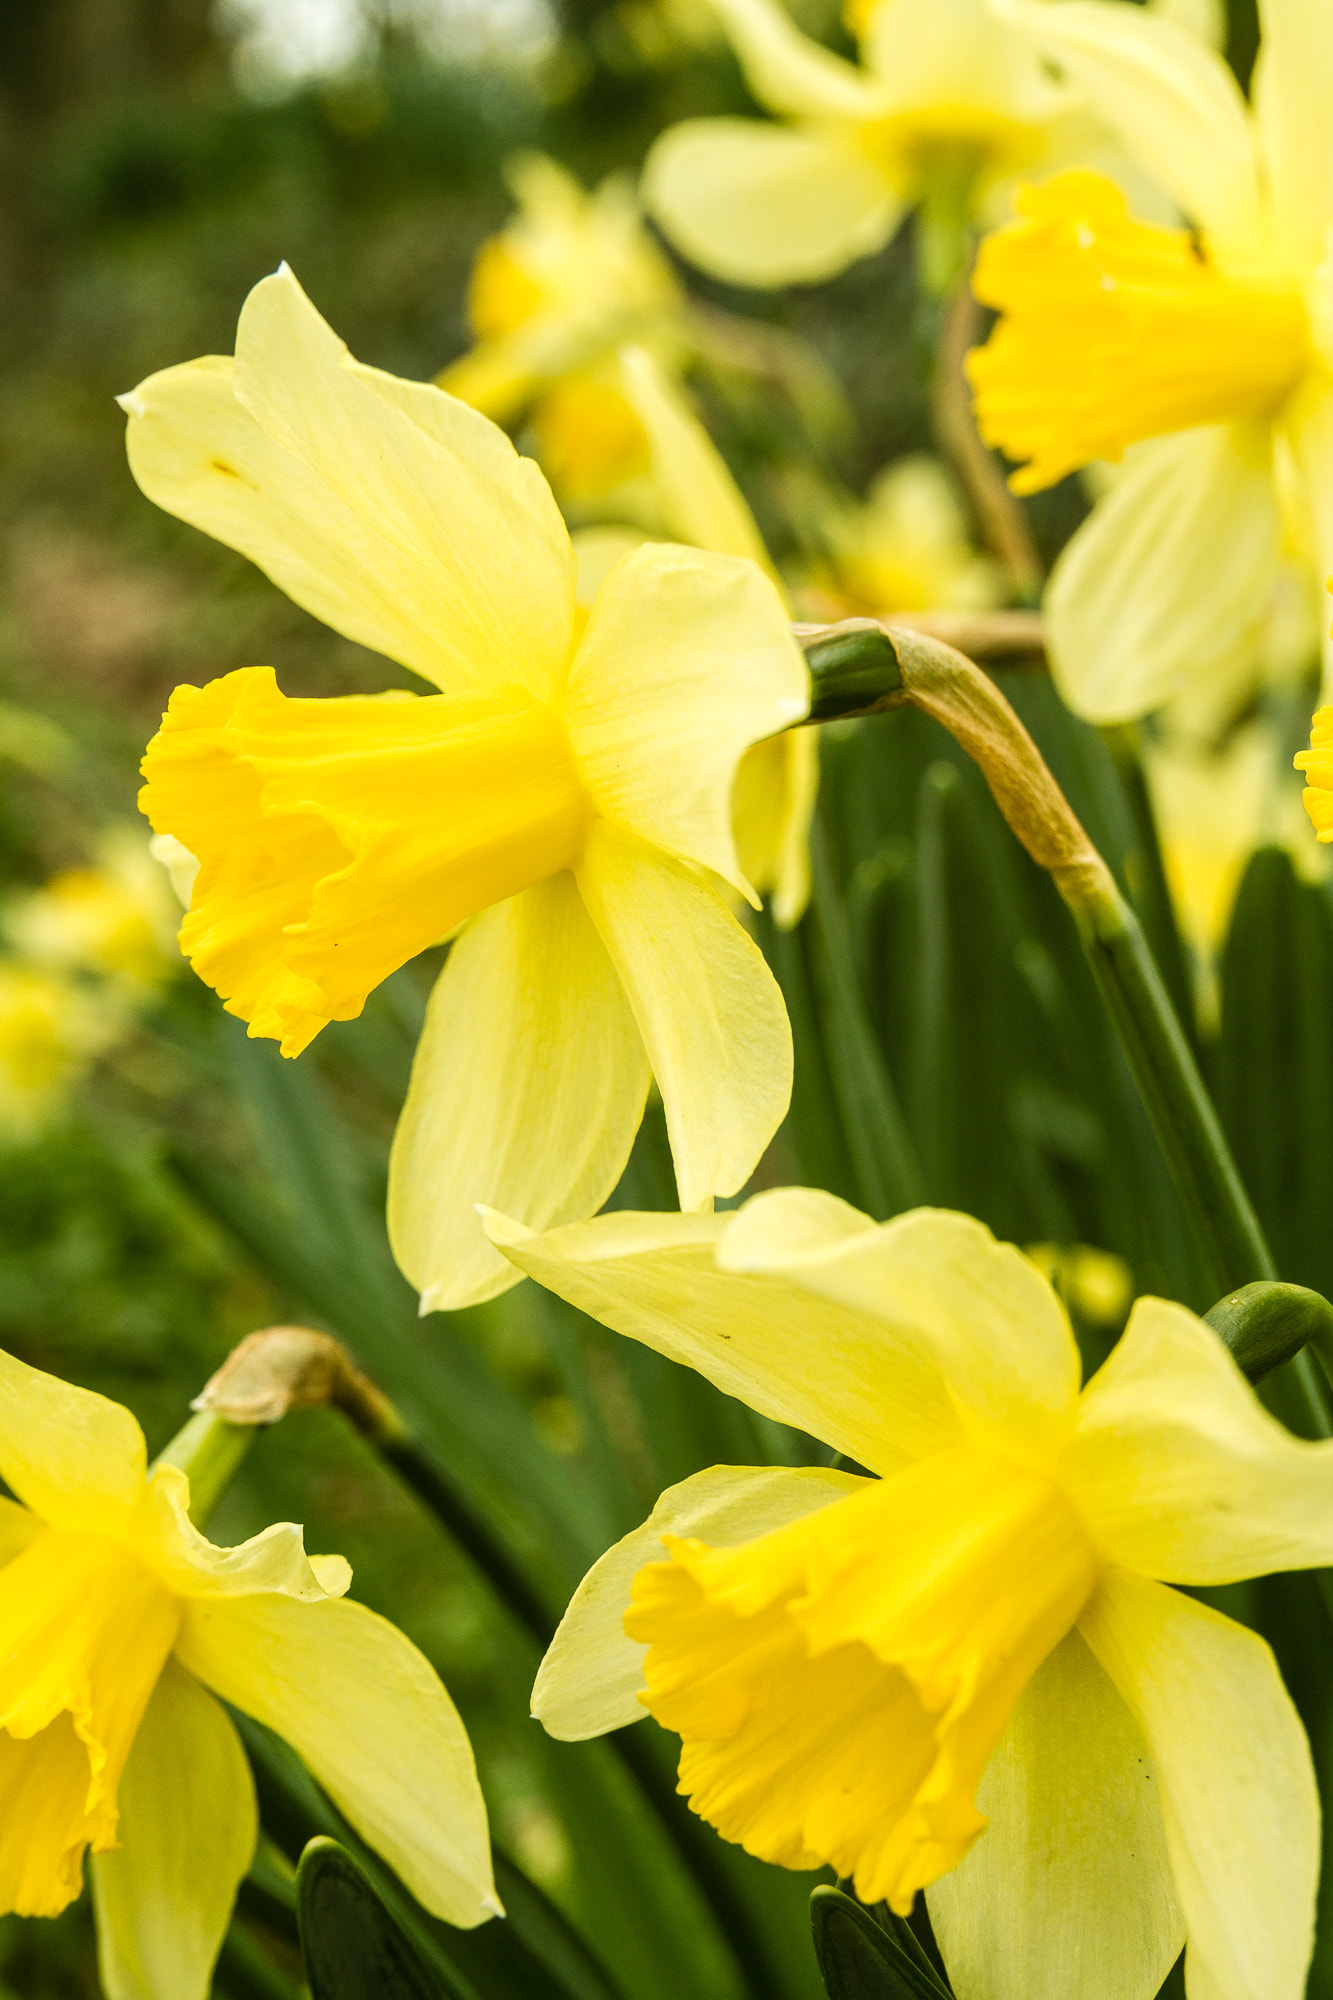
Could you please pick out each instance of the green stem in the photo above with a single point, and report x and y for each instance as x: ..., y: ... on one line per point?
x: 208, y: 1450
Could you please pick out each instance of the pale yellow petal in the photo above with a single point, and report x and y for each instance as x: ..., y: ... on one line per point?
x: 75, y: 1458
x: 687, y: 660
x: 1170, y: 575
x: 1293, y: 83
x: 709, y: 1010
x: 1309, y: 425
x: 1179, y: 1470
x: 1173, y: 103
x: 692, y: 484
x: 838, y: 1374
x: 1069, y: 1890
x: 188, y: 1826
x: 274, y: 1561
x: 955, y: 56
x: 787, y: 71
x: 370, y: 1717
x: 589, y: 1681
x: 767, y: 204
x: 772, y: 805
x: 17, y: 1528
x: 527, y: 1089
x: 1238, y: 1790
x: 429, y: 476
x: 950, y: 1299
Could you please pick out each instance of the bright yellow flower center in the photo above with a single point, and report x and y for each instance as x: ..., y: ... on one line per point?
x: 1116, y: 330
x: 589, y: 439
x: 840, y: 1684
x: 87, y: 1631
x: 1317, y: 764
x: 338, y: 838
x: 501, y: 294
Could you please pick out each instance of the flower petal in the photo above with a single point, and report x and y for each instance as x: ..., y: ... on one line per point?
x: 952, y: 1302
x: 527, y: 1089
x: 700, y: 502
x: 1069, y: 1890
x: 1238, y: 1791
x: 956, y: 54
x: 1169, y: 577
x: 788, y: 72
x: 17, y: 1528
x: 167, y: 1541
x: 709, y: 1010
x: 1179, y: 1470
x: 589, y: 1681
x: 188, y: 1826
x: 1309, y: 425
x: 490, y: 561
x: 768, y: 205
x: 75, y: 1458
x: 1173, y: 103
x: 772, y: 805
x: 1292, y: 85
x: 369, y: 1715
x: 687, y: 660
x: 838, y: 1374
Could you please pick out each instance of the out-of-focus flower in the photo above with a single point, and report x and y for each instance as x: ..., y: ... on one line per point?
x: 906, y: 548
x: 115, y: 919
x: 947, y: 105
x: 965, y: 1673
x: 51, y: 1030
x: 1200, y: 354
x: 568, y: 798
x: 1096, y: 1285
x: 119, y: 1618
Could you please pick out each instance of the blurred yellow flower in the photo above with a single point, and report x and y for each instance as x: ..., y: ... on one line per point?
x: 964, y: 1673
x: 905, y: 548
x: 115, y: 919
x: 568, y: 797
x: 50, y: 1031
x: 1096, y: 1285
x: 1201, y: 354
x: 948, y: 104
x: 120, y: 1617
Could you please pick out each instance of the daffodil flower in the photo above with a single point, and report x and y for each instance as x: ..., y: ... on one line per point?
x: 123, y: 1625
x: 968, y: 1672
x: 566, y: 799
x: 51, y: 1030
x: 1201, y: 355
x: 947, y: 104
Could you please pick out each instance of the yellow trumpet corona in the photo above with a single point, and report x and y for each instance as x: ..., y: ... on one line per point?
x: 123, y: 1624
x: 967, y: 1672
x: 566, y: 797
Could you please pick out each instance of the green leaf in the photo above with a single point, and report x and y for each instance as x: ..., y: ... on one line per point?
x: 353, y: 1949
x: 862, y: 1959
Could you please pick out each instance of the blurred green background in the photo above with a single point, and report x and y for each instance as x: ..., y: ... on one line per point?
x: 159, y: 156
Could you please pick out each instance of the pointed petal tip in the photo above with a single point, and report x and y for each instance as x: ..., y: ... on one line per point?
x: 133, y: 403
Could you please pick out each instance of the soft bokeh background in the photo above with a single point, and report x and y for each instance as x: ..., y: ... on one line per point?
x: 159, y: 156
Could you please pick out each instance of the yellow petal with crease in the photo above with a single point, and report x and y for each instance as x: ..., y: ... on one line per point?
x: 949, y: 1297
x: 75, y: 1458
x: 1292, y: 87
x: 1180, y: 1471
x: 17, y: 1528
x: 687, y: 660
x: 589, y: 1681
x: 165, y: 1539
x: 1070, y: 1888
x: 429, y: 476
x: 188, y: 1826
x: 772, y: 805
x: 787, y: 71
x: 767, y: 205
x: 1174, y: 104
x: 709, y: 1010
x: 1168, y: 578
x: 369, y: 1716
x: 1238, y: 1792
x: 527, y: 1089
x: 787, y: 1354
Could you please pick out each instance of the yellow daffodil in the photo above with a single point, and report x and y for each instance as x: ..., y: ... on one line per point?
x: 947, y: 104
x: 568, y: 279
x: 1317, y: 764
x: 123, y: 1625
x: 567, y: 797
x: 1201, y: 354
x: 965, y: 1673
x: 686, y: 493
x: 905, y: 548
x: 51, y: 1029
